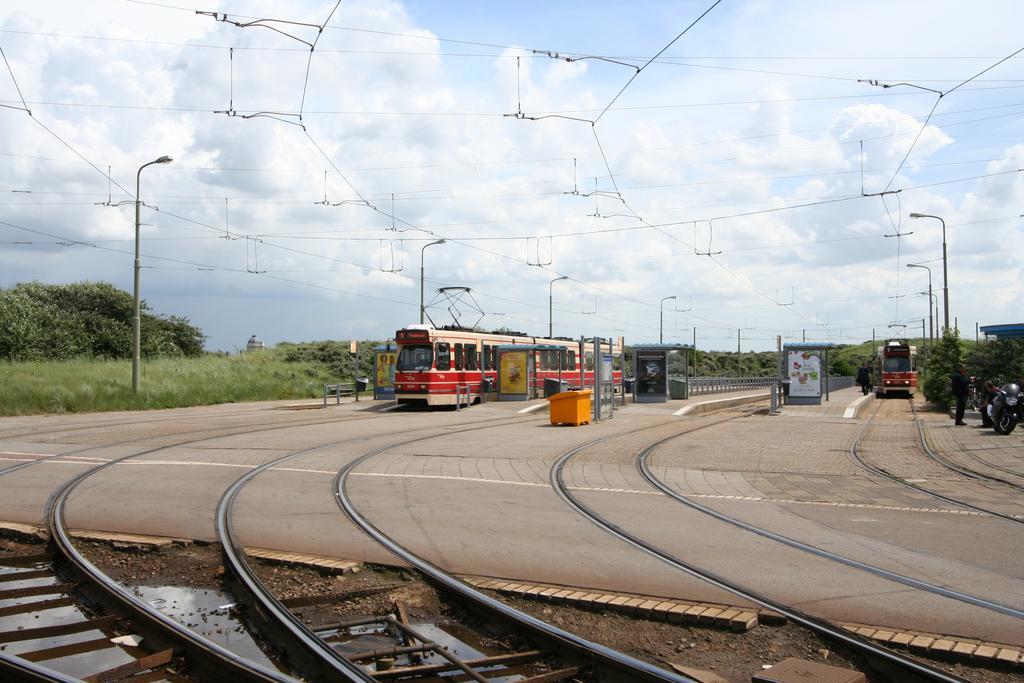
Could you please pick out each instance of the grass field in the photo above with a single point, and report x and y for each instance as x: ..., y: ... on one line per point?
x: 96, y: 385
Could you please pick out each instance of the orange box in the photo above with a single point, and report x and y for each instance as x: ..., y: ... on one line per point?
x: 570, y: 407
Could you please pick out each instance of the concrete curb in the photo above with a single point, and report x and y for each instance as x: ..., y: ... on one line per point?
x: 719, y: 404
x: 853, y: 410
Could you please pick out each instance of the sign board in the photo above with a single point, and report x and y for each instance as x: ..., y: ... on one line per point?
x: 512, y: 372
x: 353, y: 346
x: 384, y: 363
x: 606, y: 367
x: 651, y: 375
x: 804, y: 369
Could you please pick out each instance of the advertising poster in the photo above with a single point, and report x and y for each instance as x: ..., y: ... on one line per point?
x: 384, y: 381
x: 804, y: 374
x: 512, y: 372
x: 651, y: 377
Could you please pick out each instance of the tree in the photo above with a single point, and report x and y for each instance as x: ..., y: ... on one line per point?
x: 1001, y: 361
x: 943, y: 357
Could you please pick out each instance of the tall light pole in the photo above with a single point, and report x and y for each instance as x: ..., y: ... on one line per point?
x: 421, y: 273
x: 945, y: 270
x: 918, y: 265
x: 551, y: 322
x: 661, y: 320
x: 136, y: 319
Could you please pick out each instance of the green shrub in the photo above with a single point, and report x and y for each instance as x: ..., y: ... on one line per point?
x: 941, y: 362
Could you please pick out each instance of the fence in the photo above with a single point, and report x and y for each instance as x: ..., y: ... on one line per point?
x: 715, y: 385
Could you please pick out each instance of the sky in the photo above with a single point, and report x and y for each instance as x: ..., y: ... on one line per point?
x: 758, y: 161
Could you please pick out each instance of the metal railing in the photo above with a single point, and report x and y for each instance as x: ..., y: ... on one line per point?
x: 339, y: 390
x: 717, y: 385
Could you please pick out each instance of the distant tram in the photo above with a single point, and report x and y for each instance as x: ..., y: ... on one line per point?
x: 896, y: 369
x: 438, y: 367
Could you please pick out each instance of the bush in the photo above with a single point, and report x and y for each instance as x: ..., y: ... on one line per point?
x: 942, y: 359
x: 91, y: 319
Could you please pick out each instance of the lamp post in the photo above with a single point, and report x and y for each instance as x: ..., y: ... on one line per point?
x: 551, y: 323
x: 421, y: 273
x: 918, y: 265
x: 945, y: 271
x: 136, y: 319
x: 661, y: 320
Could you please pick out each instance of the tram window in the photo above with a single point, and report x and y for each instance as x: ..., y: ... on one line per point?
x: 561, y: 360
x: 897, y: 364
x: 470, y: 357
x: 572, y: 360
x: 494, y: 358
x: 589, y: 361
x: 542, y: 360
x: 444, y: 358
x: 415, y: 359
x: 486, y: 359
x: 458, y: 356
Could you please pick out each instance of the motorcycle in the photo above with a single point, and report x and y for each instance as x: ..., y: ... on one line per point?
x: 1006, y: 408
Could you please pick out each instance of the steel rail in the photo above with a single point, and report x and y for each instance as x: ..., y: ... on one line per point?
x: 17, y: 670
x: 620, y: 663
x: 906, y: 666
x: 880, y: 472
x: 203, y: 654
x: 319, y: 655
x: 643, y: 467
x: 155, y: 620
x: 953, y: 467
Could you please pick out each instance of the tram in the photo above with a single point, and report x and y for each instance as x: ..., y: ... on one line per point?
x: 896, y: 369
x: 438, y: 367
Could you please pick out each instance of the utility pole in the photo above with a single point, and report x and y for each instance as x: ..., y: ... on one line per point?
x: 739, y: 358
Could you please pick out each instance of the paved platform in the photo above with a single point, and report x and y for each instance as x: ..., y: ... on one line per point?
x: 480, y: 502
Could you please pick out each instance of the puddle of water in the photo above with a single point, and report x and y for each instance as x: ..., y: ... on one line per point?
x: 77, y: 665
x: 208, y: 613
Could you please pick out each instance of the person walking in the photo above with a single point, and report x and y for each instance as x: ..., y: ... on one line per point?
x: 959, y: 389
x: 864, y: 378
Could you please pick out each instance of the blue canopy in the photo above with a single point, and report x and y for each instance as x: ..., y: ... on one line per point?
x: 1005, y: 331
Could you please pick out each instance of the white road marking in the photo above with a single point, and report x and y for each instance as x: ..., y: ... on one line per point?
x: 387, y: 409
x: 194, y: 463
x: 530, y: 409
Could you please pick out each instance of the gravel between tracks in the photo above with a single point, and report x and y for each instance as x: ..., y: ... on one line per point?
x: 733, y: 656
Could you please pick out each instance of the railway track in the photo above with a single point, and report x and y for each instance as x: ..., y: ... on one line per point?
x: 960, y: 469
x: 579, y: 658
x: 896, y: 665
x: 87, y: 626
x: 62, y: 579
x: 858, y: 458
x: 643, y: 465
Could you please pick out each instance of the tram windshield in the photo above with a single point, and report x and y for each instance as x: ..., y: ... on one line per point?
x: 897, y: 364
x: 415, y: 358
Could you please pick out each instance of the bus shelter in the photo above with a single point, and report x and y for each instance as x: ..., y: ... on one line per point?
x: 385, y: 359
x: 517, y: 370
x: 806, y: 372
x: 650, y: 371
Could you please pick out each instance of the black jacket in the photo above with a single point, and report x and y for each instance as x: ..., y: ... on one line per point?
x: 959, y: 385
x: 863, y: 376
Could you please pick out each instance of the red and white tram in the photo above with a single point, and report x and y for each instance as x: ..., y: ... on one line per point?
x: 896, y: 369
x: 448, y: 366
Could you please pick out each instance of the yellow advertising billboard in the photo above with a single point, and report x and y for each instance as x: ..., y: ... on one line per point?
x: 386, y: 362
x: 512, y: 372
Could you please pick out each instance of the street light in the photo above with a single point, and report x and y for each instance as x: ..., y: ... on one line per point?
x: 661, y: 320
x: 551, y: 324
x: 945, y: 271
x: 421, y: 273
x: 931, y: 334
x: 136, y: 319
